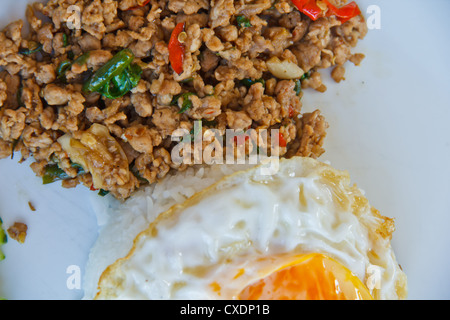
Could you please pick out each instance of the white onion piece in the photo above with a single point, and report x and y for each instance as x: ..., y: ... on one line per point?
x: 284, y: 69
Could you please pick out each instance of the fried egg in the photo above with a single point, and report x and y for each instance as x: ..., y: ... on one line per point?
x: 302, y: 233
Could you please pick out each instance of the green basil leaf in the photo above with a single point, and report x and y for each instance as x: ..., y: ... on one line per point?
x: 34, y: 47
x: 243, y: 21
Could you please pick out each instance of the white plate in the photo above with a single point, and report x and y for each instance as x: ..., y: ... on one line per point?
x: 388, y: 127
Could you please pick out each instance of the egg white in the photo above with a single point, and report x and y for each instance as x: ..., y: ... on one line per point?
x: 211, y: 246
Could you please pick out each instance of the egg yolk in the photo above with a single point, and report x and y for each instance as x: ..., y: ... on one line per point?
x: 311, y: 277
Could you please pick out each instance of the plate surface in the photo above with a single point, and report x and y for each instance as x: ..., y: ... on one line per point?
x: 388, y: 128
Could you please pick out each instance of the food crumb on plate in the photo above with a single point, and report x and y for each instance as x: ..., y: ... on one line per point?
x: 18, y: 232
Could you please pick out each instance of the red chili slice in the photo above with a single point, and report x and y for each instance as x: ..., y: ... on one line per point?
x: 309, y: 7
x: 291, y: 112
x: 312, y: 10
x: 281, y: 140
x: 344, y: 13
x: 139, y: 6
x: 176, y: 49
